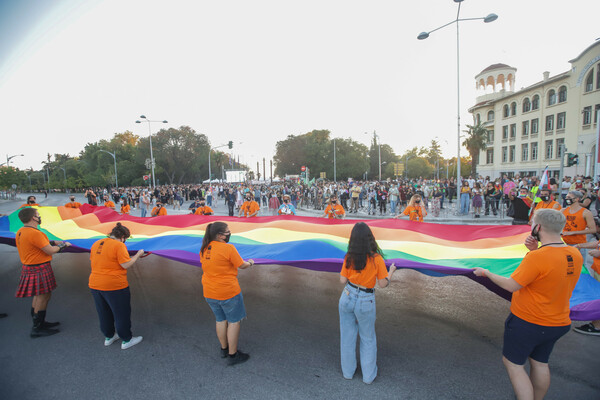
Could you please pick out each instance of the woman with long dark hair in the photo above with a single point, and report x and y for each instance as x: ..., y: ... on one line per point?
x: 363, y: 266
x: 220, y: 263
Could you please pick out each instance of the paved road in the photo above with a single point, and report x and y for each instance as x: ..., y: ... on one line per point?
x: 439, y: 338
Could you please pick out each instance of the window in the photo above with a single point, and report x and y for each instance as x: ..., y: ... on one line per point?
x: 535, y: 123
x: 505, y: 132
x: 559, y: 147
x: 490, y: 137
x: 561, y: 120
x: 562, y: 94
x: 513, y: 131
x: 549, y: 149
x: 587, y: 115
x: 598, y: 76
x: 511, y: 153
x: 489, y: 156
x: 534, y: 151
x: 551, y: 97
x: 589, y: 82
x: 549, y: 123
x: 491, y: 115
x: 526, y: 105
x: 478, y: 119
x: 524, y: 151
x: 525, y: 131
x: 596, y: 113
x: 535, y: 103
x: 504, y: 154
x: 506, y: 111
x: 513, y: 109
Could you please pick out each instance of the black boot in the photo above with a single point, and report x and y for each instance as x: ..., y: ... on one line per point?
x: 45, y: 323
x: 38, y: 329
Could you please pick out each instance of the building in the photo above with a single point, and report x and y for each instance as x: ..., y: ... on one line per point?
x: 528, y: 128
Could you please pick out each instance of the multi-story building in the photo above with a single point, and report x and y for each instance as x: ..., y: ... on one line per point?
x: 526, y: 128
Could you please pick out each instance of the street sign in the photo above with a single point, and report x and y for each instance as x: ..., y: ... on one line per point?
x: 303, y: 168
x: 14, y: 186
x: 146, y: 177
x: 323, y: 175
x: 398, y: 169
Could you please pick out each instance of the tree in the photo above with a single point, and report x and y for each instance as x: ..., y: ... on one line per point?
x: 475, y: 142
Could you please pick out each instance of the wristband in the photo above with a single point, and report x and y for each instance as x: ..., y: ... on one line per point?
x: 483, y: 273
x: 61, y: 247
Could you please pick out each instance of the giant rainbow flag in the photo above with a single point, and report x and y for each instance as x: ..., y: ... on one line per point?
x: 313, y: 243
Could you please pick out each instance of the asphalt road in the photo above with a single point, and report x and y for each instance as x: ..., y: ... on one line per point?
x: 438, y: 338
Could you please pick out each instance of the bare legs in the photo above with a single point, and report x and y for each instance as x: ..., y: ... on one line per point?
x: 40, y: 302
x: 228, y: 335
x: 528, y: 387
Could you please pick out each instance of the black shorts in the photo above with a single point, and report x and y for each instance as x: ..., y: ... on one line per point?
x: 524, y: 340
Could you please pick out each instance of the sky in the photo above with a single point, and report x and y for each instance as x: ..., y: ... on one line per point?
x: 74, y: 72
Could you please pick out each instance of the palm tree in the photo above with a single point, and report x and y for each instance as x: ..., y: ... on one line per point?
x: 475, y: 142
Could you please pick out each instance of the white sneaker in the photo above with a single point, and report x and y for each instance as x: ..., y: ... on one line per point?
x: 134, y: 340
x: 109, y: 341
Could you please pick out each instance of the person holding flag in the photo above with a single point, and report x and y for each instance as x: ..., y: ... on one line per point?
x: 287, y: 208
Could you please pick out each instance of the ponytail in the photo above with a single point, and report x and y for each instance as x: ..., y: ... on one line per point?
x: 120, y: 231
x: 211, y: 232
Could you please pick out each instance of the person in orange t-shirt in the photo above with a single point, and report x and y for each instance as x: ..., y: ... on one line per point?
x: 414, y: 210
x: 203, y: 209
x: 547, y: 202
x: 108, y: 203
x: 580, y: 221
x: 31, y: 201
x: 37, y: 278
x: 220, y: 264
x: 126, y: 208
x: 363, y: 266
x: 110, y: 289
x: 72, y: 203
x: 541, y: 286
x: 334, y: 210
x: 159, y: 210
x: 249, y: 208
x: 593, y: 327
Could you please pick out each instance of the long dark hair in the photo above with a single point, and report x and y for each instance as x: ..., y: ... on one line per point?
x: 120, y: 231
x: 211, y: 232
x: 362, y: 245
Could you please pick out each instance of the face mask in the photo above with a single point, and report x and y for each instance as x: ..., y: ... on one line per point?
x: 72, y: 199
x: 333, y: 201
x: 286, y: 201
x: 535, y: 233
x: 226, y: 238
x: 31, y: 201
x: 202, y: 204
x: 568, y: 201
x: 417, y: 201
x: 578, y: 180
x: 545, y: 198
x: 39, y: 220
x: 521, y: 195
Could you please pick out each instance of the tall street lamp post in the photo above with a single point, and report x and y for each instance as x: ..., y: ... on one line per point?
x: 114, y: 156
x: 150, y: 134
x: 378, y: 138
x: 10, y: 158
x: 424, y: 35
x: 334, y: 163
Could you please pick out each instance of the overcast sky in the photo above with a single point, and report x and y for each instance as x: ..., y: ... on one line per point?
x: 74, y: 72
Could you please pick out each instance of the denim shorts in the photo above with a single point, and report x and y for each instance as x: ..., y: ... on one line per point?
x: 524, y: 340
x: 232, y: 310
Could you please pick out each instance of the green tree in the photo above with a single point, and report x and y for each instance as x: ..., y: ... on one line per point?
x: 475, y: 142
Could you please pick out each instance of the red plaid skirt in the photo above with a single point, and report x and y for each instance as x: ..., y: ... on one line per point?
x: 35, y: 280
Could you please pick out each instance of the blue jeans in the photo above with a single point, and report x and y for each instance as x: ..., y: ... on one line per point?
x: 114, y: 308
x: 393, y: 206
x: 357, y: 317
x: 144, y: 211
x: 464, y: 203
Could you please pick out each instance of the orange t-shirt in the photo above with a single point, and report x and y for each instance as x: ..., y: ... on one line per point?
x: 206, y: 210
x: 250, y: 207
x: 157, y: 212
x: 73, y: 204
x: 109, y: 204
x: 30, y: 205
x: 596, y: 262
x: 106, y: 256
x: 220, y: 263
x: 332, y: 211
x: 575, y: 222
x: 125, y: 209
x: 29, y: 244
x: 374, y: 269
x: 415, y: 213
x: 548, y: 276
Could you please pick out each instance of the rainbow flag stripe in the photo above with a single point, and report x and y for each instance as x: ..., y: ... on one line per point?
x: 313, y: 243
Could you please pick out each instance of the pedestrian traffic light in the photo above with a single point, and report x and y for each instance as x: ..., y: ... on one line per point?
x: 230, y: 144
x: 572, y: 159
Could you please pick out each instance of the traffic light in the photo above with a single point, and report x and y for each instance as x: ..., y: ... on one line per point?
x: 572, y: 159
x: 230, y: 144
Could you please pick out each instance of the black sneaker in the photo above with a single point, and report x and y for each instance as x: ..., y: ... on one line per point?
x: 225, y: 352
x: 587, y: 329
x: 40, y: 332
x: 237, y: 358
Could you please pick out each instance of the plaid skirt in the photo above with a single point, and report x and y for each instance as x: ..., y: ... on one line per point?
x: 35, y: 280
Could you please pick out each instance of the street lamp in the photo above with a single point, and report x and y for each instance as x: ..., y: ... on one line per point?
x: 150, y: 134
x: 114, y: 156
x: 334, y: 163
x: 11, y: 157
x: 378, y: 138
x: 424, y: 35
